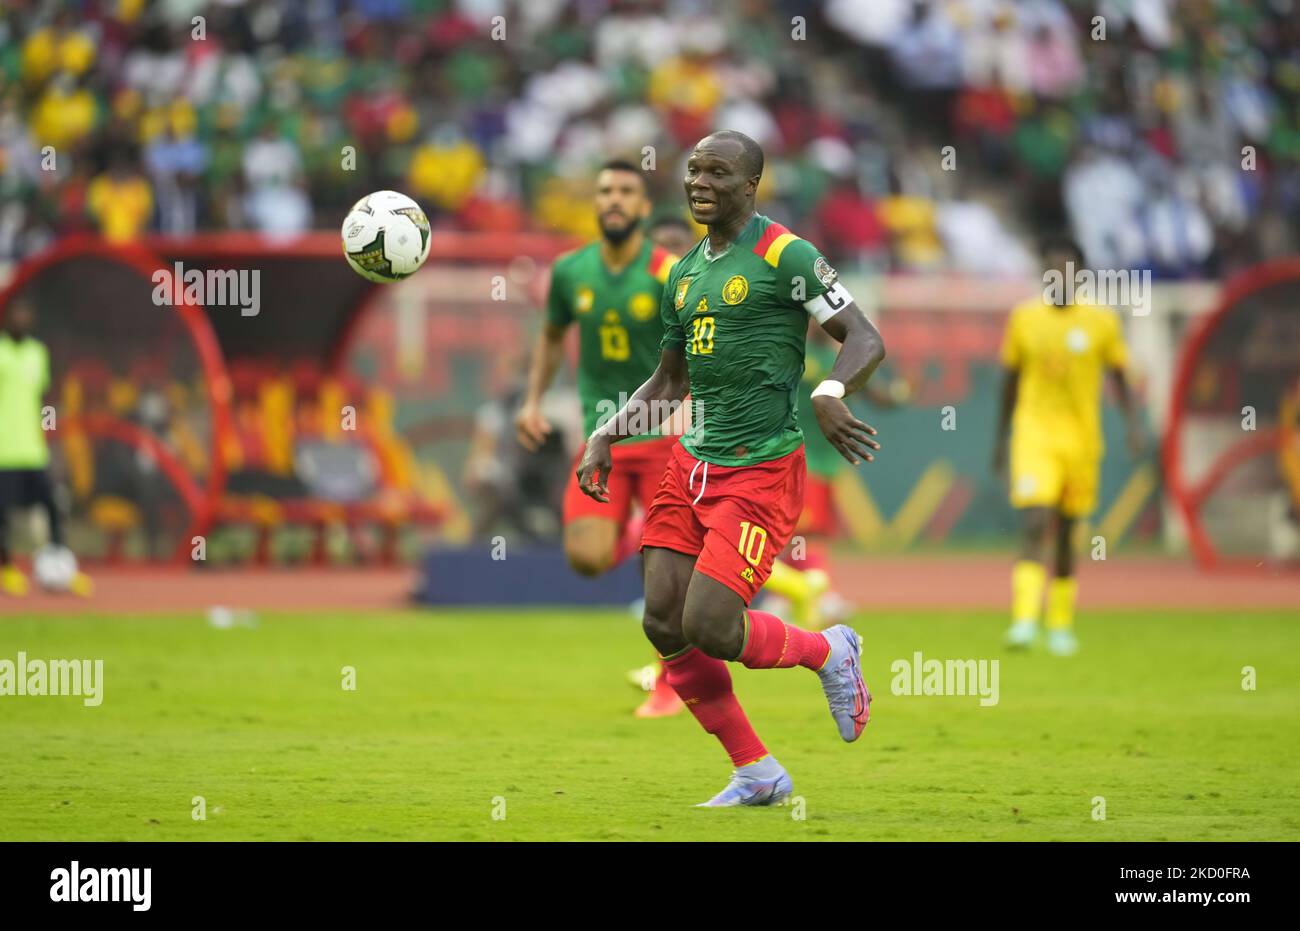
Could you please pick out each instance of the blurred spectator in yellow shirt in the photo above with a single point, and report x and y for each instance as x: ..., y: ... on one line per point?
x: 564, y: 206
x: 914, y: 239
x: 56, y: 48
x: 446, y: 169
x: 64, y: 114
x: 120, y: 200
x: 688, y: 90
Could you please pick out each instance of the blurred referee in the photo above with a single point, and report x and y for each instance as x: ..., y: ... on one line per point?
x: 24, y: 455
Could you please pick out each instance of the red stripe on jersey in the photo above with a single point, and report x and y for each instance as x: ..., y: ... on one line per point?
x: 769, y: 236
x: 661, y: 260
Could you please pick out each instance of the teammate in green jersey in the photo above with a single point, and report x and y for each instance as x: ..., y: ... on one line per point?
x: 610, y: 289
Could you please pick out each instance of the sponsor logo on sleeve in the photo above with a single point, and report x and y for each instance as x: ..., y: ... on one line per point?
x: 825, y: 274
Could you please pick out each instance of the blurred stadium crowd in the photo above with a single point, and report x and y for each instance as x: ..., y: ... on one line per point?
x: 1134, y: 142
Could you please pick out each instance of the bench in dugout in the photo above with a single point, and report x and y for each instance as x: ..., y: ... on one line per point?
x: 305, y: 454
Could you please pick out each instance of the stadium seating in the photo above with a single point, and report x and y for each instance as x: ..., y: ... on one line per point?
x: 1133, y: 137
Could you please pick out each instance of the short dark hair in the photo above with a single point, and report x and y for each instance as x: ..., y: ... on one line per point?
x: 1062, y: 243
x: 670, y: 219
x: 622, y: 164
x: 751, y: 151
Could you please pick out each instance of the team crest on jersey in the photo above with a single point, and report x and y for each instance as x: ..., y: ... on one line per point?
x: 642, y: 306
x: 734, y: 291
x: 585, y: 298
x: 1076, y: 340
x: 825, y: 274
x: 679, y: 299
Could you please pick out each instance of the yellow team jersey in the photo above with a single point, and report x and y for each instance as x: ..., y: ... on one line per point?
x: 1062, y: 354
x: 24, y: 379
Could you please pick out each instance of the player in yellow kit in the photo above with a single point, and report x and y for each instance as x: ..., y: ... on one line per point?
x: 1055, y: 355
x: 25, y: 456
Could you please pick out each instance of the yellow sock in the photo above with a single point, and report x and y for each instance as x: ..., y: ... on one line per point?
x: 12, y: 581
x: 1027, y: 580
x: 1060, y: 602
x: 787, y: 581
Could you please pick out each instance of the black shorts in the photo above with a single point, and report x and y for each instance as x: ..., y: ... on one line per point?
x: 21, y: 488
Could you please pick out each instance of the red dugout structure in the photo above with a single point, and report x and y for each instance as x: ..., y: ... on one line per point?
x: 1231, y: 450
x: 174, y: 418
x: 140, y: 393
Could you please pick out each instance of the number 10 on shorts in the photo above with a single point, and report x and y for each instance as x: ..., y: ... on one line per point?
x: 752, y: 540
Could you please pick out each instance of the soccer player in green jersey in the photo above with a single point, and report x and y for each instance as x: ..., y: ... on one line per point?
x: 24, y: 455
x: 610, y: 289
x: 735, y: 314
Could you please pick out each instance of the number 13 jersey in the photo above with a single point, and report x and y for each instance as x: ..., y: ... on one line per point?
x: 619, y: 330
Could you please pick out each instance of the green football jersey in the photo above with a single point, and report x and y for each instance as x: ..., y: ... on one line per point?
x: 619, y: 329
x: 742, y: 317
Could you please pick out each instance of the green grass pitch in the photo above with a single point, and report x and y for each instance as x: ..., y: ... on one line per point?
x: 461, y: 715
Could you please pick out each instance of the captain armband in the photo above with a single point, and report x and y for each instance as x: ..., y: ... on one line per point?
x: 828, y: 304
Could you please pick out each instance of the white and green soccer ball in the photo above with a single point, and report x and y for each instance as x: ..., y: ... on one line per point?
x: 386, y: 236
x: 54, y: 568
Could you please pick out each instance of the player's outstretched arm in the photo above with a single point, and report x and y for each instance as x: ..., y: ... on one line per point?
x: 548, y: 353
x: 861, y: 352
x: 668, y: 383
x: 1133, y: 435
x: 1006, y: 404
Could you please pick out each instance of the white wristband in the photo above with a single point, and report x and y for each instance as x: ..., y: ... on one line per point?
x: 830, y: 387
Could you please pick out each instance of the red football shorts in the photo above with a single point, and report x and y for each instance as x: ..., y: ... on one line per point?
x: 635, y: 477
x: 734, y: 519
x: 818, y: 516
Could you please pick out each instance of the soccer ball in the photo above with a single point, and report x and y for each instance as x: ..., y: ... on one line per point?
x: 386, y: 236
x: 54, y: 568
